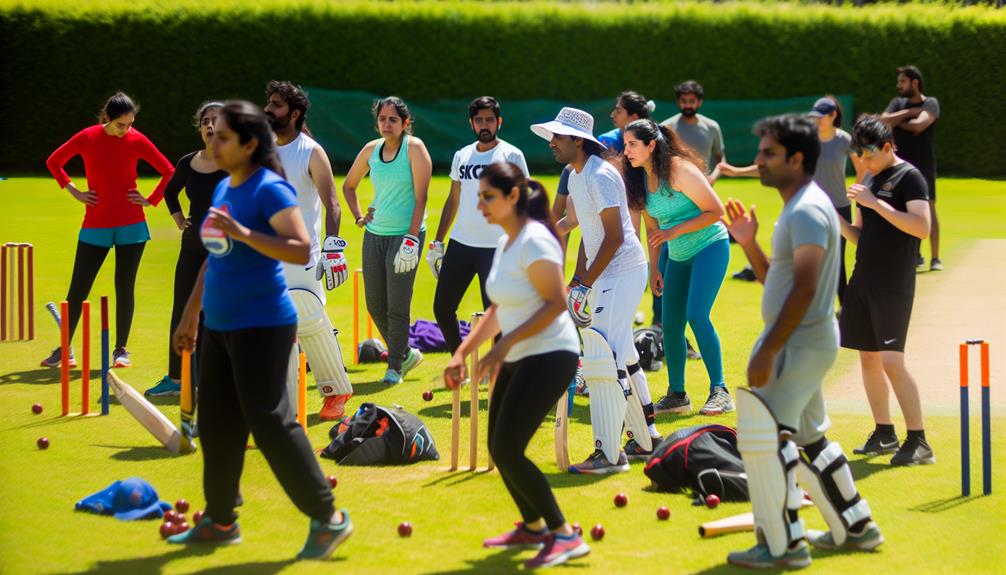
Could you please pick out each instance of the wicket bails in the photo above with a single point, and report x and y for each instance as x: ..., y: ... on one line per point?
x: 966, y: 420
x: 17, y: 300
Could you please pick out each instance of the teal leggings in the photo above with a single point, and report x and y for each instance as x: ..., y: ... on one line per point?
x: 690, y: 288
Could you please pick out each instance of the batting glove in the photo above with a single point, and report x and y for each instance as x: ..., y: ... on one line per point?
x: 435, y: 256
x: 407, y: 257
x: 576, y: 303
x: 333, y: 265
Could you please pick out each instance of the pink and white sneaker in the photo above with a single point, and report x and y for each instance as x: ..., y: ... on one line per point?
x: 557, y: 550
x: 520, y: 538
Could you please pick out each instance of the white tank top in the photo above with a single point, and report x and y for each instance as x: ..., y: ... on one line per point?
x: 296, y: 160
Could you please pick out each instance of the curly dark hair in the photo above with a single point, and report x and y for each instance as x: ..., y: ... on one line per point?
x: 294, y: 96
x: 669, y: 146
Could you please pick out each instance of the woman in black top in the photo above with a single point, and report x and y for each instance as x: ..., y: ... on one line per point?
x: 198, y: 173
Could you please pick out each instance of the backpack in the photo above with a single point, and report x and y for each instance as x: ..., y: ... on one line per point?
x: 380, y: 436
x: 702, y: 459
x: 649, y: 342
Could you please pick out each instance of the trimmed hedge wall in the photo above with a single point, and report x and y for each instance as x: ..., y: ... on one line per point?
x: 61, y: 59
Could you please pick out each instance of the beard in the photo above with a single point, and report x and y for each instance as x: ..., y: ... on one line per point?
x: 277, y: 123
x: 485, y: 136
x: 906, y: 93
x: 689, y: 112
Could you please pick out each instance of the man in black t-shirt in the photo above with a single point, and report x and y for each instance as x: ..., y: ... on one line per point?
x: 891, y: 219
x: 913, y: 116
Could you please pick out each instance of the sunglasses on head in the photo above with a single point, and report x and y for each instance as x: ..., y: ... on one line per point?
x: 860, y: 149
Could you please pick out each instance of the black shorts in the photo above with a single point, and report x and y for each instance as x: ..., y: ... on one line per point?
x: 875, y: 320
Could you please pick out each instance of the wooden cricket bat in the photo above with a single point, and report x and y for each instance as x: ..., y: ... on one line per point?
x: 734, y: 523
x: 187, y: 405
x: 148, y: 415
x: 561, y: 432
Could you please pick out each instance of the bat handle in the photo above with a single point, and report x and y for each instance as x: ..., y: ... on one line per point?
x: 55, y: 313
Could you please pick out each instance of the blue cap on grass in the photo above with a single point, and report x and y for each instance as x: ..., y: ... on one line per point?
x: 128, y: 499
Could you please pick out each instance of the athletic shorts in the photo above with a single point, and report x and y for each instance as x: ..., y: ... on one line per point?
x: 874, y: 320
x: 137, y: 233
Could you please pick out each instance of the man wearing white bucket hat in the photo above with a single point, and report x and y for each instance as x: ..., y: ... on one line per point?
x: 611, y: 274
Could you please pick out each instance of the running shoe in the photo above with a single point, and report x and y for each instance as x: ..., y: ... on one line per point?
x: 392, y: 377
x: 920, y: 264
x: 334, y: 407
x: 520, y: 538
x: 206, y: 531
x: 878, y: 443
x: 56, y: 357
x: 635, y: 452
x: 759, y: 557
x: 747, y: 274
x: 676, y: 402
x: 120, y: 358
x: 935, y: 265
x: 557, y: 550
x: 690, y: 352
x: 719, y: 402
x: 412, y: 361
x: 323, y: 538
x: 165, y: 387
x: 598, y: 464
x: 914, y: 452
x: 867, y: 540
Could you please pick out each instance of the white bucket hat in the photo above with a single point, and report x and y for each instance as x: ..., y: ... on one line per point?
x: 569, y: 122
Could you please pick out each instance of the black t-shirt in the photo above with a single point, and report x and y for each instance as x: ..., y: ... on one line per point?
x: 917, y: 149
x: 885, y: 255
x: 199, y: 188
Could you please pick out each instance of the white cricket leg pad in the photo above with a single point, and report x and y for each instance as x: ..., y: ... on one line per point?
x: 635, y: 419
x: 314, y: 333
x: 828, y: 480
x: 641, y: 387
x: 771, y: 472
x: 293, y: 377
x: 607, y: 398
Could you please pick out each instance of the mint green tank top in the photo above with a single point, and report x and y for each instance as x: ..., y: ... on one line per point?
x: 394, y: 194
x: 671, y: 208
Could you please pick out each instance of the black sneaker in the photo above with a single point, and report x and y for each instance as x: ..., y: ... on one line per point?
x: 747, y: 274
x: 914, y: 452
x: 673, y: 403
x: 878, y: 444
x: 635, y: 452
x: 690, y: 352
x: 920, y: 264
x: 719, y: 402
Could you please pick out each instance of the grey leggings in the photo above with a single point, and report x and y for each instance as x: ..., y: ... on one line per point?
x: 389, y: 295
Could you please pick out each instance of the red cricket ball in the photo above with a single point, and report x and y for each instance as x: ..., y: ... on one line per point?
x: 712, y: 500
x: 428, y: 395
x: 404, y: 529
x: 168, y: 529
x: 182, y: 527
x: 42, y: 443
x: 577, y: 529
x: 597, y: 532
x: 197, y: 517
x: 332, y: 481
x: 170, y: 516
x: 663, y: 514
x: 621, y: 500
x: 384, y: 356
x: 182, y: 506
x: 36, y: 409
x: 179, y: 519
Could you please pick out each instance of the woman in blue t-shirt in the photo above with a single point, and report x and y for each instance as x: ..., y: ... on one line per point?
x: 249, y: 328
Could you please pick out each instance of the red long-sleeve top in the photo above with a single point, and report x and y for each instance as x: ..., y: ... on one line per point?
x: 110, y: 166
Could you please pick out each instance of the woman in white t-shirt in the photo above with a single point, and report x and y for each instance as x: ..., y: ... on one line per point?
x: 533, y: 361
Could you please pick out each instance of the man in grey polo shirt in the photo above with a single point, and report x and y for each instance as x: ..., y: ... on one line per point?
x: 701, y: 133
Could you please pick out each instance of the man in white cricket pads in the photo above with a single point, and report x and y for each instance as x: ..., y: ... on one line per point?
x: 781, y: 420
x: 473, y: 241
x: 309, y: 171
x: 611, y: 274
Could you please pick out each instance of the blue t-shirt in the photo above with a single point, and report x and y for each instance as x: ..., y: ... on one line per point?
x: 244, y: 288
x: 612, y: 140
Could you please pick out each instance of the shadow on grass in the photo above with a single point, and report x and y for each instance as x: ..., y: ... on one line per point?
x: 863, y: 468
x: 142, y: 453
x: 43, y: 376
x: 504, y: 561
x: 940, y: 505
x: 159, y: 563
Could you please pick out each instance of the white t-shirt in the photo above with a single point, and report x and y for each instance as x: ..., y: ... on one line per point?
x: 470, y: 227
x: 296, y: 160
x: 598, y: 187
x: 509, y: 288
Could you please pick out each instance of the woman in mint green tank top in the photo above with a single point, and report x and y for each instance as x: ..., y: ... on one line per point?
x: 395, y: 226
x: 664, y: 181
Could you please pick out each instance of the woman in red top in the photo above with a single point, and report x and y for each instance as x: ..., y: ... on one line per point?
x: 113, y: 214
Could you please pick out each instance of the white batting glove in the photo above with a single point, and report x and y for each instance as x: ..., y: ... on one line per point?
x: 435, y: 256
x: 407, y: 257
x: 579, y: 309
x: 333, y: 265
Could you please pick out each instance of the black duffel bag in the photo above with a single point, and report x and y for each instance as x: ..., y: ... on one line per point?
x: 703, y: 460
x: 380, y: 436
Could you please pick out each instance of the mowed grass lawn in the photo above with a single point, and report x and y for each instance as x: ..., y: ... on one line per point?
x: 928, y: 528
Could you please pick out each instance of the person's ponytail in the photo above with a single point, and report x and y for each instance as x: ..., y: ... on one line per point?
x: 537, y: 205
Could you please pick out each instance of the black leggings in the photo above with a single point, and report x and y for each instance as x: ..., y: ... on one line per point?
x: 526, y: 390
x: 190, y: 260
x: 242, y: 376
x: 461, y: 263
x: 86, y: 265
x: 845, y: 212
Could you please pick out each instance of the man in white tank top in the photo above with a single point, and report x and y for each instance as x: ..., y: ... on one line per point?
x: 611, y: 275
x: 307, y: 168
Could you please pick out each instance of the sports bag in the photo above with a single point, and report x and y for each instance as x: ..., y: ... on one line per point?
x: 702, y: 459
x: 377, y: 435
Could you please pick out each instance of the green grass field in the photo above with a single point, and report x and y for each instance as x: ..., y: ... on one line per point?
x: 929, y: 529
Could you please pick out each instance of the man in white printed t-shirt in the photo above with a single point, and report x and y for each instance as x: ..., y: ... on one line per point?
x: 308, y: 170
x: 611, y: 275
x: 473, y: 241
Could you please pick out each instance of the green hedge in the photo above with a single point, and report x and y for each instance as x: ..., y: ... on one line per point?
x: 61, y: 59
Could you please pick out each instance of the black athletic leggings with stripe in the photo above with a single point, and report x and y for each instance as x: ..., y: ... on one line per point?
x: 526, y: 391
x: 461, y: 263
x: 242, y: 389
x: 86, y: 265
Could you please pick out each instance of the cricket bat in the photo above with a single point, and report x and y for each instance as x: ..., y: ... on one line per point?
x: 562, y: 430
x: 188, y: 406
x: 734, y: 523
x: 149, y: 416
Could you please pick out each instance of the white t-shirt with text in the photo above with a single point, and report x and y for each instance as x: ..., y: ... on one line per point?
x: 470, y: 228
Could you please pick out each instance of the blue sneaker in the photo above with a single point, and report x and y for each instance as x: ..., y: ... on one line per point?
x: 759, y: 557
x: 206, y: 531
x: 412, y: 361
x: 325, y: 537
x: 164, y: 388
x: 392, y: 377
x: 120, y: 358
